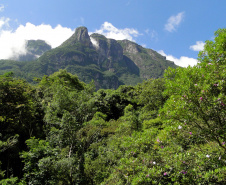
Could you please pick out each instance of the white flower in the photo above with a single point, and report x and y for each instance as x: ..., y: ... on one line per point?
x: 154, y: 162
x: 179, y: 127
x: 207, y: 156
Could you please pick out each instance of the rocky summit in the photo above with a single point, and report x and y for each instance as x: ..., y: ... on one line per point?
x: 81, y: 35
x: 108, y: 62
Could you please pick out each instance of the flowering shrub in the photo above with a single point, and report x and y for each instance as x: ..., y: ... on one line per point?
x: 197, y: 101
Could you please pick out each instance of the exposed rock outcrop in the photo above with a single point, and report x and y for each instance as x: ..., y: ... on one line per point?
x: 107, y: 48
x: 130, y: 47
x: 81, y: 35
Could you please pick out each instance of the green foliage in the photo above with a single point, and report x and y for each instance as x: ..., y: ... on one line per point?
x: 150, y: 94
x: 9, y: 181
x: 162, y: 131
x: 59, y: 158
x: 62, y: 78
x: 194, y: 115
x: 200, y: 101
x: 110, y: 102
x: 20, y: 118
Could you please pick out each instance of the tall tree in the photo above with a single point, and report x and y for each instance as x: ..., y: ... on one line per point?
x: 20, y: 119
x: 59, y: 158
x: 198, y: 94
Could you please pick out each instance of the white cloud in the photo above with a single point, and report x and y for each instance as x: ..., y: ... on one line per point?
x: 4, y: 22
x: 182, y: 61
x: 152, y: 34
x: 12, y: 43
x: 144, y: 45
x: 2, y: 7
x: 109, y: 31
x: 147, y: 31
x: 199, y: 46
x: 174, y: 21
x: 53, y: 36
x: 94, y: 42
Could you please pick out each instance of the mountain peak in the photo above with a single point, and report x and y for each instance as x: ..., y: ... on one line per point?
x: 81, y: 35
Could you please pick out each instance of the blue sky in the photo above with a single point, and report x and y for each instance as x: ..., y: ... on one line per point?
x: 174, y: 28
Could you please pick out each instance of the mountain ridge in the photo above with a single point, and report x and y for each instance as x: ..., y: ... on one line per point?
x: 108, y: 62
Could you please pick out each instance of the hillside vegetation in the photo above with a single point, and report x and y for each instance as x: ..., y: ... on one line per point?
x: 169, y: 130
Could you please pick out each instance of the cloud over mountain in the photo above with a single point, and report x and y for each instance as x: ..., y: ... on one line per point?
x: 12, y: 42
x: 110, y: 31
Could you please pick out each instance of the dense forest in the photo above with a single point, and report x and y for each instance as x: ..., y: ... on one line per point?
x: 171, y: 130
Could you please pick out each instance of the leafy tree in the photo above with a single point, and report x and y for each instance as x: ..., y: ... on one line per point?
x: 150, y: 94
x: 162, y: 131
x: 20, y: 118
x: 198, y: 93
x: 111, y: 102
x: 194, y: 117
x: 59, y: 158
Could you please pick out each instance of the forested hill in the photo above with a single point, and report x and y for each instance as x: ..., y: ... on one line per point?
x: 108, y: 62
x: 169, y: 130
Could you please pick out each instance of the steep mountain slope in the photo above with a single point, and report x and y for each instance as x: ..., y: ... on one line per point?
x: 108, y: 62
x: 150, y: 63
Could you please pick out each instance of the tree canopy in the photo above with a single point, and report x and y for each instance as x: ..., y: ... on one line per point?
x: 162, y: 131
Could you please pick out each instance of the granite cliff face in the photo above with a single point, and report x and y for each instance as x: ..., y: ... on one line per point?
x: 150, y: 63
x: 130, y: 47
x: 109, y: 51
x: 108, y: 62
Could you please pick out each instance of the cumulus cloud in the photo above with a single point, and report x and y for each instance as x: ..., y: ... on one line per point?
x: 183, y: 61
x: 53, y: 36
x: 2, y: 7
x: 199, y: 46
x: 13, y: 42
x: 174, y: 21
x: 110, y: 31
